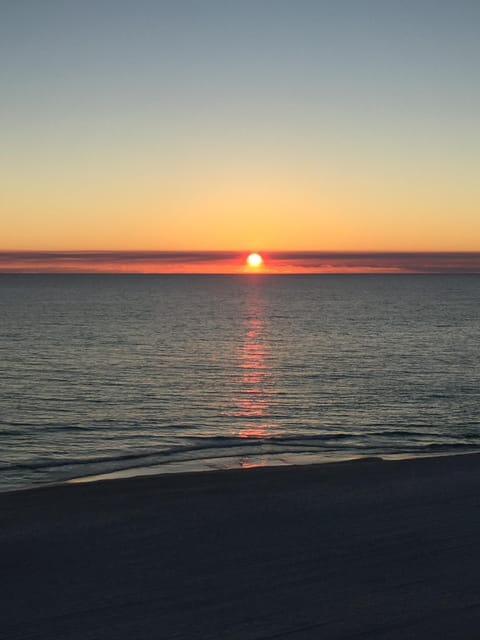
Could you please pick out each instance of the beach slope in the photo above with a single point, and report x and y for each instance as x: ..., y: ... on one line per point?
x: 365, y: 549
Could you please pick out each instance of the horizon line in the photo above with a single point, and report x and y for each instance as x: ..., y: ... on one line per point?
x: 234, y: 262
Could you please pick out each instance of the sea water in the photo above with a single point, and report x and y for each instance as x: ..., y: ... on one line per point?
x: 100, y: 373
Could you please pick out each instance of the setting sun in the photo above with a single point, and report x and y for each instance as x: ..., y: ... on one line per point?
x: 254, y: 260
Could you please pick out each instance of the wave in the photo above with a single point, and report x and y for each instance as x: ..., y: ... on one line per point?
x: 211, y: 447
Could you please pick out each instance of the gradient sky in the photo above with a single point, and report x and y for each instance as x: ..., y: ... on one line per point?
x: 267, y: 125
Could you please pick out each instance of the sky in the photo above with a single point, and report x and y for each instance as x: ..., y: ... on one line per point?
x: 276, y: 126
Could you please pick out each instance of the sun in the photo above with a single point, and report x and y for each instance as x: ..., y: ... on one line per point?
x: 254, y: 260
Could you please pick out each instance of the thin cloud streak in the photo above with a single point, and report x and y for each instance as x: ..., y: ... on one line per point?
x: 234, y: 262
x: 383, y: 262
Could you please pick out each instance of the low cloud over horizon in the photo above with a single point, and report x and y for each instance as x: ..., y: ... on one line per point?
x: 234, y: 262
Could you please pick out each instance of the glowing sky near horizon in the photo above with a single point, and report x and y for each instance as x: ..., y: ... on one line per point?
x: 267, y: 125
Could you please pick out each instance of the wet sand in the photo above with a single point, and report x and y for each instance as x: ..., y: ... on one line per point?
x: 365, y: 549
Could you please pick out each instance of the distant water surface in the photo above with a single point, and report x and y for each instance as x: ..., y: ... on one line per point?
x: 106, y: 372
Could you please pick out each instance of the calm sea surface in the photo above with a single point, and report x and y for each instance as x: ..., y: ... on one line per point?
x: 103, y: 373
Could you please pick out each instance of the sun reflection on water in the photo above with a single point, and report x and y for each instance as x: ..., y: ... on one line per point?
x: 254, y: 395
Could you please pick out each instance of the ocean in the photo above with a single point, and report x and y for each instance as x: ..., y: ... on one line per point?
x: 164, y: 373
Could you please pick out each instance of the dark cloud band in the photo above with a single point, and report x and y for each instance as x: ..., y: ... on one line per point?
x: 283, y: 261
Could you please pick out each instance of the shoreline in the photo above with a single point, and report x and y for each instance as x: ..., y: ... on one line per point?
x: 384, y: 548
x: 230, y: 463
x: 209, y: 465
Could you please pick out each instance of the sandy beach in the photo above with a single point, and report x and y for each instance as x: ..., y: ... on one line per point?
x: 364, y: 549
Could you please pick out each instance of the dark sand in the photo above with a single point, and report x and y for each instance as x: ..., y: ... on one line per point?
x: 365, y: 549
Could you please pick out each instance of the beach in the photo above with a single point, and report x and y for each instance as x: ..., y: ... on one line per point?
x: 361, y: 549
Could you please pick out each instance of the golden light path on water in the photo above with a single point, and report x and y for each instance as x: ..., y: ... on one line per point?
x: 253, y: 401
